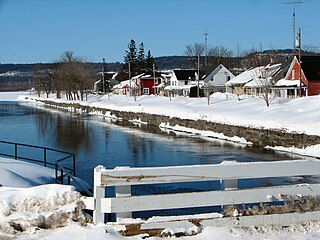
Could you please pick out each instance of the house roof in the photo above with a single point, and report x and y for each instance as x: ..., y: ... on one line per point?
x: 185, y: 74
x: 287, y: 83
x: 216, y: 70
x: 258, y: 72
x: 245, y: 77
x: 311, y: 67
x: 258, y: 83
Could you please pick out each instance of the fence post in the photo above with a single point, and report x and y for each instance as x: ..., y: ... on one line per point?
x: 45, y: 156
x: 15, y: 151
x: 123, y: 191
x: 74, y: 164
x: 98, y: 194
x: 229, y: 184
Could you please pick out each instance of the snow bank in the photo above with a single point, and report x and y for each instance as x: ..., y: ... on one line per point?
x: 311, y: 151
x: 16, y: 173
x: 24, y: 210
x: 283, y: 114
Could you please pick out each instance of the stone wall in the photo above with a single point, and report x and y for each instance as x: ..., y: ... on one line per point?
x: 259, y: 137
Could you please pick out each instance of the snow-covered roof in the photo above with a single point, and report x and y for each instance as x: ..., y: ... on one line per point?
x: 251, y: 74
x: 172, y: 88
x: 245, y: 77
x: 125, y: 83
x: 287, y: 83
x: 258, y: 83
x: 160, y: 85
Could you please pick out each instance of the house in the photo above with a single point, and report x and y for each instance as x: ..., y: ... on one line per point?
x: 180, y: 82
x: 217, y: 79
x: 109, y: 81
x: 127, y: 87
x: 290, y: 86
x: 148, y: 84
x: 257, y: 76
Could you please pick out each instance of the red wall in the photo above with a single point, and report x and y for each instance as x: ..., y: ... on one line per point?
x: 314, y: 88
x: 147, y: 83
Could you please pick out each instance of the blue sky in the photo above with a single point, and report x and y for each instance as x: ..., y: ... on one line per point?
x: 34, y: 31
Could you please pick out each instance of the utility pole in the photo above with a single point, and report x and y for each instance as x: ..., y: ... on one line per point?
x: 154, y: 77
x: 294, y: 3
x: 198, y: 88
x: 103, y: 80
x: 300, y: 68
x: 205, y: 47
x: 130, y: 77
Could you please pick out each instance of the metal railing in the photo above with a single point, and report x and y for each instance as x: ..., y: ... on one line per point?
x: 62, y: 173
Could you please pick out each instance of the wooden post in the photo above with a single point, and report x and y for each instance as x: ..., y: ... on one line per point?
x: 98, y: 194
x: 123, y: 191
x: 230, y: 184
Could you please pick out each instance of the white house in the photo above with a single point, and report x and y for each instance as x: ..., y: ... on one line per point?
x: 217, y: 79
x: 181, y: 81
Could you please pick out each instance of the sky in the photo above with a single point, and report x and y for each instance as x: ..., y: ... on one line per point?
x: 34, y: 31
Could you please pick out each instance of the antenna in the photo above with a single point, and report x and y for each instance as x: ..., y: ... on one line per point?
x: 205, y: 47
x: 294, y: 4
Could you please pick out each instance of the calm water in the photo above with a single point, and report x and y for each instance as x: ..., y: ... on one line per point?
x: 97, y: 141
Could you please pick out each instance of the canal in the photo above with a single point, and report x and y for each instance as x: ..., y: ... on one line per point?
x: 98, y: 141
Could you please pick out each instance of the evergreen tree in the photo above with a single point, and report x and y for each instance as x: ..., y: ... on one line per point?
x: 131, y: 57
x: 141, y: 57
x: 149, y: 61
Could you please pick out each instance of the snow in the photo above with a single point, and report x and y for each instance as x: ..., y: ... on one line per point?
x: 21, y: 174
x: 248, y: 112
x: 287, y: 83
x: 28, y: 201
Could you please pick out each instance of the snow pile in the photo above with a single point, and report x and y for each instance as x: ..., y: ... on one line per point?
x: 203, y: 133
x: 25, y: 210
x: 311, y: 151
x: 16, y: 173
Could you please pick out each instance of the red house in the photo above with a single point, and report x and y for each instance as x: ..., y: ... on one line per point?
x: 147, y: 84
x: 310, y: 78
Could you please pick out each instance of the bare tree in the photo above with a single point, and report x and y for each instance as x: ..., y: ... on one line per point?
x: 193, y: 51
x: 73, y: 76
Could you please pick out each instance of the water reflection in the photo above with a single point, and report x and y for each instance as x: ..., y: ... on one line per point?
x: 65, y: 131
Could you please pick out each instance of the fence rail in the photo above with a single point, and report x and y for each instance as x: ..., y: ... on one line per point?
x: 62, y: 173
x: 123, y: 204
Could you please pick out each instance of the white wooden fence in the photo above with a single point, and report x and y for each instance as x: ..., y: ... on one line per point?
x: 123, y: 204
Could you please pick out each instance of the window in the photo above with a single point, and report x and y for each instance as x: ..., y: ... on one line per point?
x: 186, y: 82
x: 293, y: 74
x: 145, y: 91
x: 156, y: 81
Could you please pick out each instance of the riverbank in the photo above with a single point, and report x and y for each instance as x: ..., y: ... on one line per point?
x: 67, y: 197
x: 289, y: 123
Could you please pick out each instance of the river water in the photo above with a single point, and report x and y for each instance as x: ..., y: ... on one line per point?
x: 97, y: 141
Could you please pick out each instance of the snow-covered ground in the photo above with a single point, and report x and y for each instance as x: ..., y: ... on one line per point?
x: 27, y: 206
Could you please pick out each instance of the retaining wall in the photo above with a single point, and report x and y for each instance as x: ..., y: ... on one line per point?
x: 259, y: 137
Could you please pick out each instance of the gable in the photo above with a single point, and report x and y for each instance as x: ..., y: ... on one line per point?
x: 185, y: 74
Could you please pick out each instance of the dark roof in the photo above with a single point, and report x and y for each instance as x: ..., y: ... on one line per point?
x: 311, y: 67
x: 185, y: 74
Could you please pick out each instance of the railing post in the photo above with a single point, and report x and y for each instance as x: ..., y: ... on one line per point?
x: 15, y: 151
x: 45, y: 156
x: 123, y: 191
x: 61, y: 172
x: 74, y: 165
x: 56, y: 172
x: 98, y: 194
